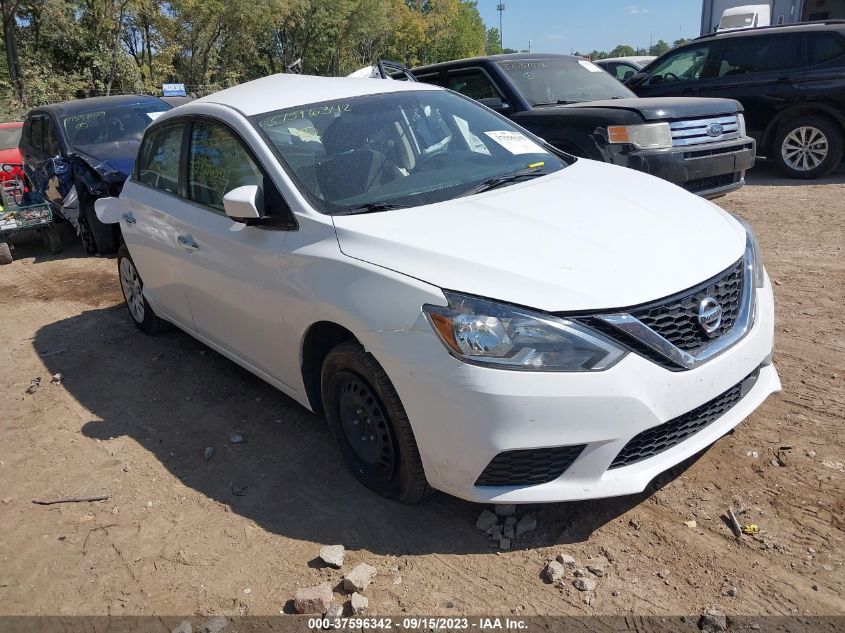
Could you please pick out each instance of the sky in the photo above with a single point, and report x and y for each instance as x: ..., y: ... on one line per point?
x: 564, y: 26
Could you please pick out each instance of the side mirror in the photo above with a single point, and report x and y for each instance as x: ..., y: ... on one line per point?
x: 243, y: 204
x: 495, y: 103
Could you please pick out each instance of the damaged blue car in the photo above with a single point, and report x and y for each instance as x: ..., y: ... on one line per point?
x: 77, y: 151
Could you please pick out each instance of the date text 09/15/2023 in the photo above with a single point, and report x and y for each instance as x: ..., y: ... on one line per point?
x: 419, y: 623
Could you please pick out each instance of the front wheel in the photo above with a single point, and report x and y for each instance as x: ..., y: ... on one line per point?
x: 807, y: 147
x: 369, y: 423
x: 132, y: 286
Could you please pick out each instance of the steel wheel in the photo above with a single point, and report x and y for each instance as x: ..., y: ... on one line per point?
x: 365, y: 426
x: 804, y: 148
x: 130, y: 282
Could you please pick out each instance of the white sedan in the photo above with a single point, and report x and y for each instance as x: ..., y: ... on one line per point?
x: 472, y: 310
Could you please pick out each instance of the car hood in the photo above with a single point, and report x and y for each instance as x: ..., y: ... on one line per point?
x: 115, y: 158
x: 662, y: 108
x: 592, y: 236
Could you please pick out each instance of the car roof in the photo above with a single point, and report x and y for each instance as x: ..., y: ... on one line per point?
x: 280, y: 91
x: 510, y: 57
x: 65, y: 108
x: 798, y: 27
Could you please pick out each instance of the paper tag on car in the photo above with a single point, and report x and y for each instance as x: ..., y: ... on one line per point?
x: 590, y: 66
x: 515, y: 142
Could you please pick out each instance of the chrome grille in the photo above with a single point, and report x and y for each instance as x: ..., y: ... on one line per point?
x: 694, y: 132
x: 676, y: 319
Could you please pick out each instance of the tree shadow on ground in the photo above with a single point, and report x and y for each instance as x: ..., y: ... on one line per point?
x: 176, y: 397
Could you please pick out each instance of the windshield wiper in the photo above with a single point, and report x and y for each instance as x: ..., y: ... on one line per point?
x: 498, y: 181
x: 370, y: 207
x: 558, y: 102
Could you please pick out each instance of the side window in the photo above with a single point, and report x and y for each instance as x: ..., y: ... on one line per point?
x: 686, y: 65
x: 473, y: 83
x: 158, y: 162
x: 623, y: 72
x: 36, y: 135
x: 51, y: 141
x: 217, y: 164
x: 747, y: 55
x: 824, y: 47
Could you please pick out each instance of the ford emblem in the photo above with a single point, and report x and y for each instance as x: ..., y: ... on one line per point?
x: 709, y: 315
x: 715, y: 129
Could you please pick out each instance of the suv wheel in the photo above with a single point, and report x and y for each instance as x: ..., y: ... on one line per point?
x: 807, y: 147
x: 369, y: 423
x: 132, y: 286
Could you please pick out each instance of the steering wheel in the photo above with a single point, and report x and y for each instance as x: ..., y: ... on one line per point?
x: 425, y: 161
x: 673, y: 76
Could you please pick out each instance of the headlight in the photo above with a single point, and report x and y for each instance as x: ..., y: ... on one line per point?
x: 496, y: 335
x: 646, y: 136
x: 757, y: 272
x: 740, y: 124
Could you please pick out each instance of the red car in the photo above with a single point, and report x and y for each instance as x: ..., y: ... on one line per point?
x: 10, y: 136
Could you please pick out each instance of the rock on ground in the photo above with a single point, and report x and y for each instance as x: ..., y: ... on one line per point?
x: 214, y: 625
x: 359, y: 603
x: 313, y: 599
x: 486, y: 520
x: 184, y: 627
x: 554, y: 571
x: 332, y: 555
x: 566, y: 559
x: 597, y: 566
x: 334, y: 611
x: 713, y: 621
x: 584, y: 584
x: 526, y: 524
x: 505, y: 509
x: 359, y: 578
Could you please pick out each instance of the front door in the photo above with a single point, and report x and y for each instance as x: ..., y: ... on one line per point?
x: 232, y: 273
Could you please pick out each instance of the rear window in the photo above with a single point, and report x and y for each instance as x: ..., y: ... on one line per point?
x: 747, y: 55
x: 10, y: 137
x: 824, y: 47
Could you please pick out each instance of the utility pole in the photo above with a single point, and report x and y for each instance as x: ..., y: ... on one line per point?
x: 529, y: 46
x: 501, y: 9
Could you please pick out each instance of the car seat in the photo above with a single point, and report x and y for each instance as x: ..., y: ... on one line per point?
x: 351, y: 167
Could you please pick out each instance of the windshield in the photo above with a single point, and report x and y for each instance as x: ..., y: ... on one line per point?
x: 401, y: 148
x: 121, y: 123
x: 562, y: 81
x: 736, y: 21
x: 10, y: 137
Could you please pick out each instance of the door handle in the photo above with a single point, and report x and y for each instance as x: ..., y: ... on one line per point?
x: 187, y: 242
x: 128, y: 218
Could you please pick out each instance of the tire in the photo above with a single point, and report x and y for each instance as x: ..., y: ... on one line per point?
x: 5, y: 253
x: 86, y: 235
x: 132, y: 286
x: 104, y: 235
x: 386, y: 458
x: 53, y: 239
x: 807, y: 147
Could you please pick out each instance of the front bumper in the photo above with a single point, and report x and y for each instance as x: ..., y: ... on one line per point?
x: 708, y: 169
x: 463, y: 415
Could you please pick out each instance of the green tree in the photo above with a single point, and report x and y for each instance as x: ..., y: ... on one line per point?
x: 623, y: 50
x: 659, y: 48
x: 494, y: 43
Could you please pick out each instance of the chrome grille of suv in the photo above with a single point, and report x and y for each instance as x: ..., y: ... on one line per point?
x: 676, y: 318
x: 696, y: 131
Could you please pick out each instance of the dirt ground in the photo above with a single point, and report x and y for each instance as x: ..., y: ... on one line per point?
x: 239, y: 533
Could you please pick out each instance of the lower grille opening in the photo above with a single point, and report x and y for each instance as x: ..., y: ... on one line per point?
x: 529, y: 467
x: 711, y: 182
x: 661, y: 438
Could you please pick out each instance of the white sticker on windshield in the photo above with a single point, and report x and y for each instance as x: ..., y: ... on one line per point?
x: 515, y: 142
x: 154, y: 115
x: 590, y: 66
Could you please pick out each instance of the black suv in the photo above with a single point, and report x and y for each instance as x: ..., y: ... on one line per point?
x: 790, y: 79
x: 698, y: 144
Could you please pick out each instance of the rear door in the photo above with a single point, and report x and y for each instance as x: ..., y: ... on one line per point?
x: 824, y: 77
x: 153, y: 218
